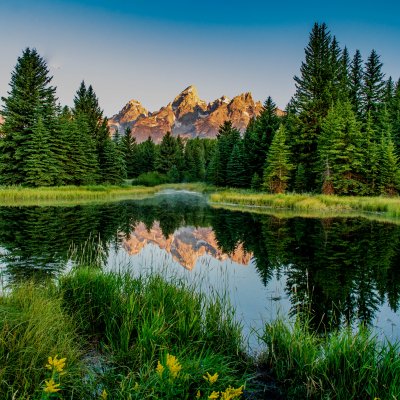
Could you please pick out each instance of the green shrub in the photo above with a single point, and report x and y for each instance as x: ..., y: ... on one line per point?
x: 151, y: 178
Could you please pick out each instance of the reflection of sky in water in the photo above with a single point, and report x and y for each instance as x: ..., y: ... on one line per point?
x: 255, y: 303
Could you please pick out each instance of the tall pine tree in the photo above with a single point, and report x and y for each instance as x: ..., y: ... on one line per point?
x: 277, y: 166
x: 356, y: 83
x: 30, y: 99
x: 373, y: 92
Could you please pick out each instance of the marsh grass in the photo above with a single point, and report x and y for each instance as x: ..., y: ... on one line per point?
x: 343, y: 365
x: 33, y: 327
x: 321, y: 204
x: 137, y: 320
x: 113, y: 329
x: 64, y: 195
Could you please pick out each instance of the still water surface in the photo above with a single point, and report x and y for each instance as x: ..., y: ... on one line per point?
x: 345, y: 270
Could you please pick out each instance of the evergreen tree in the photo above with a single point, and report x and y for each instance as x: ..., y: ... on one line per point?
x: 215, y: 173
x: 341, y: 152
x: 335, y: 87
x: 146, y: 156
x: 39, y: 166
x: 129, y: 149
x: 114, y: 170
x: 256, y: 182
x: 87, y: 159
x: 372, y: 161
x: 278, y: 166
x: 194, y: 161
x: 227, y: 137
x: 388, y: 167
x: 167, y: 156
x: 30, y: 98
x: 356, y: 83
x: 86, y: 105
x: 389, y: 175
x: 344, y: 75
x: 394, y: 112
x: 315, y: 93
x: 261, y: 135
x: 236, y: 170
x: 389, y: 92
x: 373, y: 86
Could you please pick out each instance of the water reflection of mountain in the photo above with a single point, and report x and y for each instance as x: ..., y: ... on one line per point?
x: 185, y: 245
x: 341, y: 269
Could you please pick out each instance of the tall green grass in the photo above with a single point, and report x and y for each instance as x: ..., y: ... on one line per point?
x: 114, y: 330
x: 138, y: 321
x: 390, y: 206
x: 344, y: 365
x: 33, y: 326
x: 20, y: 196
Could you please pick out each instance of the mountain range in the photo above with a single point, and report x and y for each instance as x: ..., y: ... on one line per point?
x: 187, y: 115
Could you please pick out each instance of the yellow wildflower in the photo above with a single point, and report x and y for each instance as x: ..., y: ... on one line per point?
x: 104, y: 394
x: 198, y: 394
x: 56, y: 364
x: 214, y: 395
x: 51, y: 386
x: 211, y: 378
x: 159, y: 369
x: 232, y: 393
x: 173, y: 365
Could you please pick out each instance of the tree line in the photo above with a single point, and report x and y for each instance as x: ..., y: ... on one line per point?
x: 44, y: 144
x: 340, y: 134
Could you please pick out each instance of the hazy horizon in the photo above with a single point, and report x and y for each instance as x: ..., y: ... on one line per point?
x: 151, y: 52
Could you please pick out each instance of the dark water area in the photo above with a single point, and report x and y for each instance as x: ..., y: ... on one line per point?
x: 342, y: 270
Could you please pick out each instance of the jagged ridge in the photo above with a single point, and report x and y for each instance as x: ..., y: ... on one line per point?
x: 187, y: 115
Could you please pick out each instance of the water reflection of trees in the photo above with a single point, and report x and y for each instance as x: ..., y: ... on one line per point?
x: 36, y: 242
x: 340, y: 269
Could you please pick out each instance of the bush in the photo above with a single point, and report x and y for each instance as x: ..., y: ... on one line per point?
x: 151, y: 178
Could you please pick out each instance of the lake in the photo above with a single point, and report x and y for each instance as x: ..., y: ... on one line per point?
x: 342, y: 270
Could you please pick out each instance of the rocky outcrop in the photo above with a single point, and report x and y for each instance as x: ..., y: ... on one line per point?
x: 188, y: 116
x: 185, y: 245
x: 132, y: 111
x: 156, y: 125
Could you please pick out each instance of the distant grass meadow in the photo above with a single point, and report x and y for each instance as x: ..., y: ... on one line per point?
x: 60, y: 195
x: 284, y: 205
x: 301, y: 204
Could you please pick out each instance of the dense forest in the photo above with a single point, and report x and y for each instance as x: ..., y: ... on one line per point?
x: 340, y: 134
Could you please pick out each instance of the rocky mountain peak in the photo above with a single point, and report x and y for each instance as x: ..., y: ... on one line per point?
x: 218, y: 103
x: 188, y: 101
x: 187, y: 115
x: 132, y: 111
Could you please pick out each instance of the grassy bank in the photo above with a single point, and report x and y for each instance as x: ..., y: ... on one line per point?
x: 145, y: 338
x: 321, y: 204
x: 124, y: 337
x: 19, y: 196
x: 343, y: 366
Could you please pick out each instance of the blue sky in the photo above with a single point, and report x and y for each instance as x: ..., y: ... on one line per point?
x: 151, y: 50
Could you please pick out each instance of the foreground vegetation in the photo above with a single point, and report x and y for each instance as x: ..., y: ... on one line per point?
x: 323, y: 204
x: 345, y: 365
x: 95, y: 335
x: 122, y: 338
